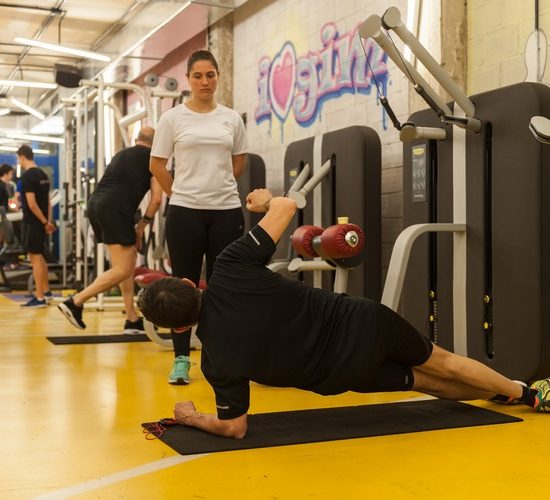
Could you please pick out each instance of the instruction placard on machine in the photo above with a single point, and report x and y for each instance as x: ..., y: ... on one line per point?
x: 418, y: 177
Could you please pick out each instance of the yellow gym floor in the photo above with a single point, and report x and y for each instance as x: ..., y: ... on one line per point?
x: 71, y: 420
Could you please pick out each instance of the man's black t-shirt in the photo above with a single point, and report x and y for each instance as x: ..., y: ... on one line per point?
x: 257, y: 325
x: 5, y: 195
x: 35, y: 180
x: 125, y: 181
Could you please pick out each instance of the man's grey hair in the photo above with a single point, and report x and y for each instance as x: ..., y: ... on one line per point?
x: 146, y: 135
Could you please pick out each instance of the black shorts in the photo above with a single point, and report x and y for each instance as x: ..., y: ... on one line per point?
x: 400, y: 347
x: 110, y: 226
x: 33, y: 238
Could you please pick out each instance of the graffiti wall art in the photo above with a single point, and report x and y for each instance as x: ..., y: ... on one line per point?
x: 289, y: 84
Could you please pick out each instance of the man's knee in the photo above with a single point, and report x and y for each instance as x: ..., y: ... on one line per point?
x: 123, y: 259
x: 36, y: 257
x: 125, y: 271
x: 444, y: 363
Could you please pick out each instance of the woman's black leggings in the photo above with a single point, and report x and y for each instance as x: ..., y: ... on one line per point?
x: 191, y: 235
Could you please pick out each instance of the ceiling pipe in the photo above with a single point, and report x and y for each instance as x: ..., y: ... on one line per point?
x: 56, y: 11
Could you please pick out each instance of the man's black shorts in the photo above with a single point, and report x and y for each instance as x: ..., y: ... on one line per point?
x: 401, y: 347
x: 33, y: 238
x: 373, y: 350
x: 110, y: 226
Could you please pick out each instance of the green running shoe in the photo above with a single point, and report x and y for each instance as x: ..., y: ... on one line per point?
x: 180, y: 371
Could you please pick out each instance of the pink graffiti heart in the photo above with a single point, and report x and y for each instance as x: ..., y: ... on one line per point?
x: 282, y: 80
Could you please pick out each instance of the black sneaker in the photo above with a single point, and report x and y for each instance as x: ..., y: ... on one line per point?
x: 35, y: 303
x: 134, y: 327
x: 72, y: 312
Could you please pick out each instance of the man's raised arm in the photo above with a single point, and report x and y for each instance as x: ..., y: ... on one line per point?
x: 279, y: 211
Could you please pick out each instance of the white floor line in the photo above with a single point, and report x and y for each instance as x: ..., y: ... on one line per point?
x: 164, y: 463
x: 101, y: 482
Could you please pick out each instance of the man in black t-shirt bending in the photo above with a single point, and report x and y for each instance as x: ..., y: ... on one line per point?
x: 37, y: 222
x: 249, y: 315
x: 112, y: 209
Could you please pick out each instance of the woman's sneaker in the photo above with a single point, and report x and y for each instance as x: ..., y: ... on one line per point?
x: 134, y: 327
x: 542, y: 402
x: 72, y: 312
x: 180, y: 371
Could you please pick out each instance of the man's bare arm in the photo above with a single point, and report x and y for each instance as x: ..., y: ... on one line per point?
x: 156, y: 198
x: 155, y: 201
x: 279, y: 211
x: 35, y: 209
x: 186, y: 414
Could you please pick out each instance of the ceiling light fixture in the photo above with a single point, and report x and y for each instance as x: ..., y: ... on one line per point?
x: 32, y: 137
x: 28, y: 109
x: 15, y: 148
x: 23, y: 83
x: 50, y: 126
x: 61, y: 48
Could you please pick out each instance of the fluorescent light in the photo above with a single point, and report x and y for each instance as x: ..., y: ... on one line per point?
x: 26, y: 108
x: 23, y: 83
x: 32, y: 137
x: 51, y: 126
x: 36, y: 151
x: 61, y: 48
x: 4, y: 111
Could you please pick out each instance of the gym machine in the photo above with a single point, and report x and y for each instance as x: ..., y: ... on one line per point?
x: 345, y: 184
x: 469, y: 267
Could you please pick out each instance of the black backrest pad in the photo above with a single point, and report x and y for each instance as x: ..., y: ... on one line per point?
x: 252, y: 178
x: 352, y: 189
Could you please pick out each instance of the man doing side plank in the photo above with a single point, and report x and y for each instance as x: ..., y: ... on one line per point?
x: 249, y: 315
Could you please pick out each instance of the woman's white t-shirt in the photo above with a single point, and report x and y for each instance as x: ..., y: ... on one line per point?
x: 203, y: 145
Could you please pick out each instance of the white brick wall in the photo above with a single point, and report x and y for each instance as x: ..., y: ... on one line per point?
x: 262, y: 29
x: 497, y: 35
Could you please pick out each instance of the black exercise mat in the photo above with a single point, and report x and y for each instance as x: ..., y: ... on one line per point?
x: 103, y: 339
x: 329, y: 424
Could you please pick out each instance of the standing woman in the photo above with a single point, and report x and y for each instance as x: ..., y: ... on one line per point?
x: 208, y: 141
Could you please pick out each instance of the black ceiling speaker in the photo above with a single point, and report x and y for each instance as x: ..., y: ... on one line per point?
x: 67, y: 76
